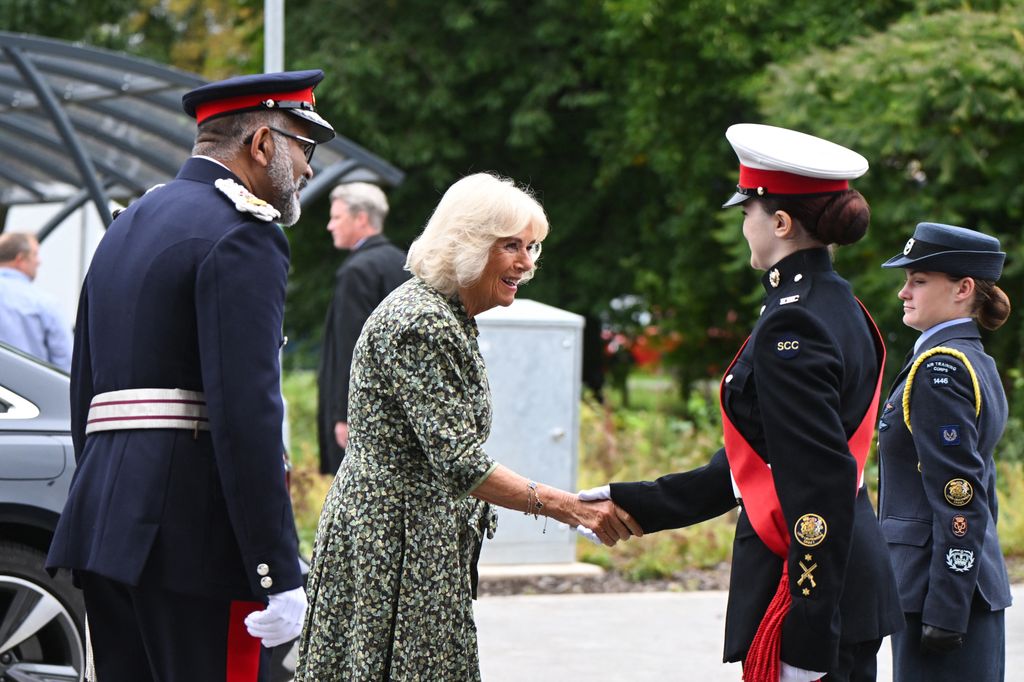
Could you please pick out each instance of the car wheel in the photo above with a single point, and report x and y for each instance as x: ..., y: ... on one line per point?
x: 41, y: 620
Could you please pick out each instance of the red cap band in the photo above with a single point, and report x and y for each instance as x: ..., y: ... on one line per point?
x: 781, y: 182
x: 244, y: 102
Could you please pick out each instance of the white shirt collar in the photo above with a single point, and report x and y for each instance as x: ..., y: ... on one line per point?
x: 933, y: 329
x: 210, y: 158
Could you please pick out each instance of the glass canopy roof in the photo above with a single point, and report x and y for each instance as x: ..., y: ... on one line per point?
x: 81, y: 124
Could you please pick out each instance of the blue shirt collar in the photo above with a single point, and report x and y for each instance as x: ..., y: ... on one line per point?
x: 11, y: 273
x: 936, y: 328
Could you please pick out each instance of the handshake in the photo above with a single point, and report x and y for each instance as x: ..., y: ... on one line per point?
x: 602, y: 521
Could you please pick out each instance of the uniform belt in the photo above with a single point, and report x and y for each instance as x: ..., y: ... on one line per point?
x: 148, y: 408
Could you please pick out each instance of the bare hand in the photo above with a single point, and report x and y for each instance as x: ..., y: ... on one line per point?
x: 341, y: 434
x: 610, y: 522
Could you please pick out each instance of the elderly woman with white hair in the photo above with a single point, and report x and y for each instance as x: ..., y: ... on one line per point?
x: 393, y: 571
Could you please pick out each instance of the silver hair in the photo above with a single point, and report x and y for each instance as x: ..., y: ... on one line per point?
x: 221, y: 138
x: 453, y: 249
x: 362, y: 196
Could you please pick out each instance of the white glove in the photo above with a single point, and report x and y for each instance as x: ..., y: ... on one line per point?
x: 281, y: 621
x: 601, y: 492
x: 588, y: 534
x: 791, y: 673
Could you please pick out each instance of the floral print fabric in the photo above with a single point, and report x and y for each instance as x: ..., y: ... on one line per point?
x: 390, y: 587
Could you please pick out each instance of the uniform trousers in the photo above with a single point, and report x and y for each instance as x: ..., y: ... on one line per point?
x: 857, y: 662
x: 981, y: 659
x: 148, y: 634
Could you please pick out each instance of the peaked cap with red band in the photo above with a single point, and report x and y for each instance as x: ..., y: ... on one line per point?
x: 288, y: 91
x: 778, y: 161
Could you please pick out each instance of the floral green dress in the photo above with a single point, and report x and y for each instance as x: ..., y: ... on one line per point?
x: 390, y: 588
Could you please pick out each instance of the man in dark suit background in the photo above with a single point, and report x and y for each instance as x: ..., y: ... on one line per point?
x: 372, y: 270
x: 178, y: 525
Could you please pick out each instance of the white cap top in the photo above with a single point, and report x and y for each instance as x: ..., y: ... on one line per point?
x: 769, y: 148
x: 776, y: 161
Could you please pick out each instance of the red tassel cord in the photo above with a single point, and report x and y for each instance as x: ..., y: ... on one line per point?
x: 763, y: 663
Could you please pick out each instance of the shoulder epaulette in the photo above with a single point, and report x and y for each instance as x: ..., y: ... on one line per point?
x: 245, y: 201
x: 939, y: 350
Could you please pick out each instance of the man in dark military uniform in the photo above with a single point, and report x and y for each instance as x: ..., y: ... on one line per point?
x: 178, y: 526
x: 936, y: 441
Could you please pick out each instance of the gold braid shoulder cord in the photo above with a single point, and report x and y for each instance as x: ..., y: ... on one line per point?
x: 939, y: 350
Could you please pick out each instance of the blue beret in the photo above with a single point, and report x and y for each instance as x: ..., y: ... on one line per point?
x: 288, y: 91
x: 953, y: 250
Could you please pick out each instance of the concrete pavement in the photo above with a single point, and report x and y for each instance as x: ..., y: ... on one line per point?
x: 637, y: 637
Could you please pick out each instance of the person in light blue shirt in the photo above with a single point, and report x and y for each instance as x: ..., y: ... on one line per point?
x: 29, y: 319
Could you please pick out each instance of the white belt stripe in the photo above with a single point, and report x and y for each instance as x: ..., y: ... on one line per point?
x: 148, y: 408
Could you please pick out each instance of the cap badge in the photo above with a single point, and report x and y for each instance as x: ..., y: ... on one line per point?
x: 958, y: 492
x: 760, y: 191
x: 910, y: 245
x: 247, y: 202
x: 774, y: 277
x: 959, y: 560
x: 810, y: 530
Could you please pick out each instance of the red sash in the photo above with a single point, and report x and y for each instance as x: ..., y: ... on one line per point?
x: 761, y: 502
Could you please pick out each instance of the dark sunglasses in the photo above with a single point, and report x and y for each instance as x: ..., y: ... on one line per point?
x: 308, y: 145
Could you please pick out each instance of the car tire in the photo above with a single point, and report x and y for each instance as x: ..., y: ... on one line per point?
x: 41, y: 619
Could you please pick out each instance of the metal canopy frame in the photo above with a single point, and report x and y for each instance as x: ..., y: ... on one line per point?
x: 80, y: 124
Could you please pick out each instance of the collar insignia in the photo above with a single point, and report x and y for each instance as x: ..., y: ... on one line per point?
x: 773, y: 277
x: 247, y: 202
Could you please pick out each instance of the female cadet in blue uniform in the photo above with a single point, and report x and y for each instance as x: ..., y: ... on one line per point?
x: 810, y: 573
x: 938, y: 430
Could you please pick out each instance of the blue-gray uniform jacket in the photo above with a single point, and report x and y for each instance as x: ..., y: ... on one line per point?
x: 938, y: 481
x: 185, y: 291
x: 797, y: 393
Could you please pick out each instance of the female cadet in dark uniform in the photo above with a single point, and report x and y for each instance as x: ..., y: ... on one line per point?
x: 938, y: 430
x: 810, y: 572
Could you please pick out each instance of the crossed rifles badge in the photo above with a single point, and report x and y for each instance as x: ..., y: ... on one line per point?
x: 808, y: 574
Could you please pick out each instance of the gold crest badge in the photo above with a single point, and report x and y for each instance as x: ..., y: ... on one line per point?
x: 810, y: 530
x: 958, y: 492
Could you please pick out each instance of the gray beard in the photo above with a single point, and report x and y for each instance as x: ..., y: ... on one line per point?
x: 284, y: 185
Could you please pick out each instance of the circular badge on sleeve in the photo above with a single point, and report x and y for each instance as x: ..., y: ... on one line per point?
x: 810, y: 530
x: 958, y: 492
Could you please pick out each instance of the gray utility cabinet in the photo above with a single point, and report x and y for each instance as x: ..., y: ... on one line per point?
x: 534, y: 360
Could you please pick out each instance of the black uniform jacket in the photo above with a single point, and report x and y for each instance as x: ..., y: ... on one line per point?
x: 369, y: 274
x: 185, y: 291
x: 938, y: 482
x: 797, y: 393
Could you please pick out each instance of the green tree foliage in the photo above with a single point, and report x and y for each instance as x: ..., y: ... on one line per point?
x: 613, y: 111
x: 214, y: 38
x: 443, y: 88
x: 936, y: 103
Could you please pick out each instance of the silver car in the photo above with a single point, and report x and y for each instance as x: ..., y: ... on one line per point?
x: 41, y: 618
